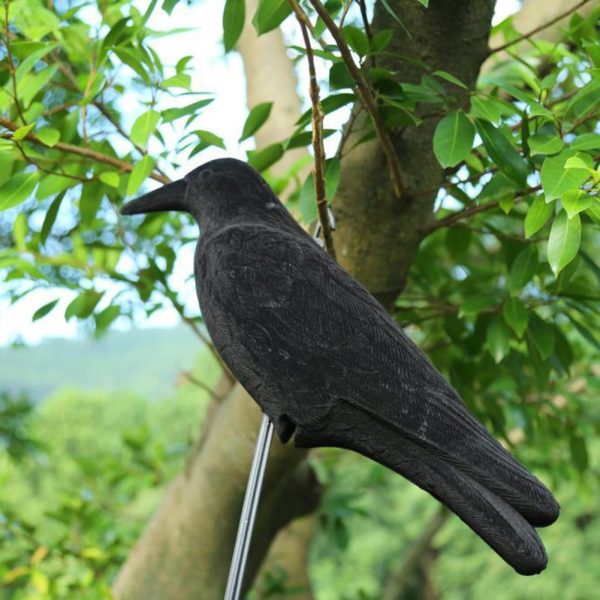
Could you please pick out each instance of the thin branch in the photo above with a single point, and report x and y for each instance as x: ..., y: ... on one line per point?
x: 106, y: 113
x: 473, y: 210
x: 538, y: 29
x: 86, y: 152
x: 192, y: 379
x: 396, y: 584
x: 367, y: 97
x: 365, y: 19
x: 345, y: 12
x: 317, y: 136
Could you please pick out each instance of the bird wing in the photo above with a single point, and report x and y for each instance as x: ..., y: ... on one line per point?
x: 322, y: 357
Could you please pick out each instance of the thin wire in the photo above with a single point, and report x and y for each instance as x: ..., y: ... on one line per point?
x: 254, y: 486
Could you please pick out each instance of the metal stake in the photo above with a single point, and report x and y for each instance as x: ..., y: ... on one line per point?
x: 255, y: 479
x: 244, y: 534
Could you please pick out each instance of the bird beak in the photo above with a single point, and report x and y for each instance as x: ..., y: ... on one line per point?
x: 168, y: 197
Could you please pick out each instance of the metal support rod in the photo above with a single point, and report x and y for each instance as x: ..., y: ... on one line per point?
x: 244, y: 534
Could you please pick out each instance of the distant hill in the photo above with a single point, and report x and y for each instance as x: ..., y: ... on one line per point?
x: 143, y: 360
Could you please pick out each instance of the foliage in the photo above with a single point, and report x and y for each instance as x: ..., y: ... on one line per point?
x: 503, y: 294
x: 96, y: 465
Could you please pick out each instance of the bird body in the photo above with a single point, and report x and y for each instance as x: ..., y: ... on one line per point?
x: 330, y: 367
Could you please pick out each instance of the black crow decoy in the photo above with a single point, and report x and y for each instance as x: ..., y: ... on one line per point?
x: 328, y: 365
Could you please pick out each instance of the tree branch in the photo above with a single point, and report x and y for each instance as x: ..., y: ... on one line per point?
x: 367, y: 97
x: 538, y: 29
x: 396, y: 584
x: 86, y: 152
x: 473, y: 210
x: 317, y: 135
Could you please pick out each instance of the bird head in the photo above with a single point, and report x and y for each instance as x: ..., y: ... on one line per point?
x: 215, y: 193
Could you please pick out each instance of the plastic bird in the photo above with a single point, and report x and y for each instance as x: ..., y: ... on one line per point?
x: 330, y: 367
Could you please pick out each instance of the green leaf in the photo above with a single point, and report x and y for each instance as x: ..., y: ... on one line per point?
x: 22, y: 132
x: 516, y: 315
x: 207, y: 139
x: 270, y: 14
x: 563, y: 244
x: 579, y: 453
x: 105, y: 317
x: 83, y: 306
x: 498, y: 338
x: 357, y: 39
x: 132, y: 60
x: 308, y: 203
x: 50, y: 217
x: 144, y: 125
x: 522, y: 270
x: 586, y: 141
x: 537, y: 215
x: 453, y: 139
x: 542, y: 335
x: 53, y: 184
x: 556, y: 179
x: 339, y: 77
x: 17, y: 189
x: 19, y: 231
x: 451, y: 78
x: 169, y: 5
x: 575, y: 201
x: 594, y: 213
x: 140, y: 173
x: 263, y: 159
x: 476, y: 303
x: 110, y: 178
x: 586, y: 99
x: 502, y: 152
x: 256, y: 119
x: 308, y: 199
x: 332, y: 177
x: 234, y: 15
x: 48, y: 136
x: 381, y: 40
x: 44, y: 310
x: 34, y: 52
x: 179, y: 80
x: 171, y: 114
x: 584, y: 332
x: 545, y: 143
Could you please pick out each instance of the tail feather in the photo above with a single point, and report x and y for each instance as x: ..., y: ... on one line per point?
x: 490, y: 516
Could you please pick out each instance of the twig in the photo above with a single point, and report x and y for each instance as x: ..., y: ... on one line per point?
x: 396, y: 584
x: 86, y: 152
x: 365, y: 19
x: 317, y: 136
x: 345, y: 12
x: 367, y: 97
x: 213, y: 394
x: 104, y: 110
x: 538, y: 29
x: 473, y: 210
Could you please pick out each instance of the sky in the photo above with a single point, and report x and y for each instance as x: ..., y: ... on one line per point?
x: 223, y: 77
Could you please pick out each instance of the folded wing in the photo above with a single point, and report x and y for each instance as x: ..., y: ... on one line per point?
x: 323, y: 358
